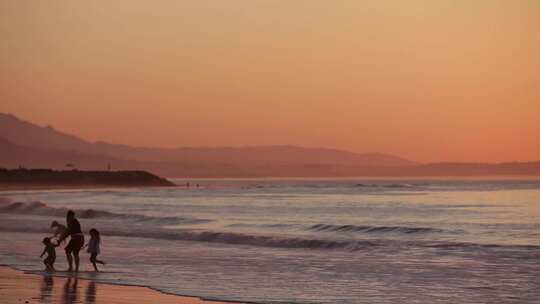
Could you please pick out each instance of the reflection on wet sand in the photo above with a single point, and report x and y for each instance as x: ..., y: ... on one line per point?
x: 17, y: 287
x: 90, y: 293
x: 71, y: 292
x: 46, y: 289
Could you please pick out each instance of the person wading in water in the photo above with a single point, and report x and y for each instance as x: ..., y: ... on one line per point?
x: 76, y: 242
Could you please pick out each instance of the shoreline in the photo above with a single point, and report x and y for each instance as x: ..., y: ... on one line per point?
x: 17, y: 286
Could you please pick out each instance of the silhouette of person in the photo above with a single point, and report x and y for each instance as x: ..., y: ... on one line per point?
x: 75, y: 243
x: 46, y: 289
x: 93, y: 248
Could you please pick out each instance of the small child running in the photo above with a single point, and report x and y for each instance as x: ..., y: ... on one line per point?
x: 93, y: 247
x: 51, y: 254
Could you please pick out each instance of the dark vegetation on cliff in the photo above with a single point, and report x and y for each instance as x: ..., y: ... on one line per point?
x: 48, y: 177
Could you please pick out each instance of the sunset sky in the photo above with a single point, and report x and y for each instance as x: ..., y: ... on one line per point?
x: 455, y: 80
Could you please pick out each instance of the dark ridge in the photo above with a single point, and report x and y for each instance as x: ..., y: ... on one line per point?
x: 28, y: 145
x: 49, y: 177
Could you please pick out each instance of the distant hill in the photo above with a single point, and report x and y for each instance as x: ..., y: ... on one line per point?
x: 478, y: 169
x: 23, y: 133
x: 28, y: 145
x: 12, y: 156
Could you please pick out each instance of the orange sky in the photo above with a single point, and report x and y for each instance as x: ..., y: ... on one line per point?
x: 455, y: 80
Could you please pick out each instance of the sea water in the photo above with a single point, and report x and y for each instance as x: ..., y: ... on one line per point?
x: 300, y: 241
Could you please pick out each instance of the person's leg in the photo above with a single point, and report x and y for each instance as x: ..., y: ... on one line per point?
x: 76, y: 257
x: 93, y: 260
x: 78, y: 244
x: 98, y: 261
x: 48, y: 265
x: 69, y: 259
x: 52, y: 264
x: 69, y: 250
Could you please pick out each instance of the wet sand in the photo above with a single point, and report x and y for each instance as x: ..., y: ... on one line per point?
x: 18, y: 287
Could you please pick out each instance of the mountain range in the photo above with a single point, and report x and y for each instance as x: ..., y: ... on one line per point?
x: 24, y: 144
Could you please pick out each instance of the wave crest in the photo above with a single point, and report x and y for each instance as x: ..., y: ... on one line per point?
x: 42, y: 209
x: 231, y: 238
x: 373, y: 229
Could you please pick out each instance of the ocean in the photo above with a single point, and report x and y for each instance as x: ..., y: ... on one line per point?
x: 300, y: 240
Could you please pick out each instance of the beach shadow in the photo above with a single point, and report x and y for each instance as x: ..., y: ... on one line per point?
x: 91, y: 293
x: 46, y: 289
x: 71, y: 292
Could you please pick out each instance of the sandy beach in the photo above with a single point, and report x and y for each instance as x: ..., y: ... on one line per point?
x: 18, y: 287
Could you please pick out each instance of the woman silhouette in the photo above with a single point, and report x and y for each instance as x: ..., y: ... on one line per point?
x: 76, y: 242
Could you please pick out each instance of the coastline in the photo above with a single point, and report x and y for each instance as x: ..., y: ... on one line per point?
x: 20, y: 287
x: 37, y: 187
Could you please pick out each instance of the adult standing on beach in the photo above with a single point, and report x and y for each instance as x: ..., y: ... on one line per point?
x: 75, y: 243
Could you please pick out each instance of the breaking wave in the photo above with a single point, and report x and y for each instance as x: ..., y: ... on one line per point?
x: 390, y: 186
x: 42, y: 209
x: 152, y: 228
x: 232, y: 238
x: 373, y: 229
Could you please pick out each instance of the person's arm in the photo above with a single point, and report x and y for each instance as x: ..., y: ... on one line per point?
x: 44, y: 250
x: 63, y: 236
